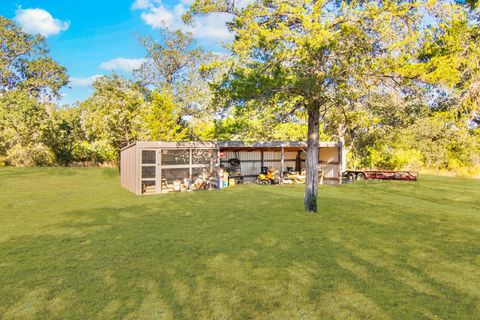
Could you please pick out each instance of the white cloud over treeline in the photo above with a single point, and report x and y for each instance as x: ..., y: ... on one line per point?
x: 159, y: 16
x: 40, y: 21
x: 123, y: 64
x: 83, y: 82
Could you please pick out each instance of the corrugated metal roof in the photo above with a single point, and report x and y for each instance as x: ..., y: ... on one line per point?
x: 230, y: 144
x: 272, y: 144
x: 179, y: 145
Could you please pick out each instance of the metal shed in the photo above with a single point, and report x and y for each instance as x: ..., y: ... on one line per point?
x: 149, y: 167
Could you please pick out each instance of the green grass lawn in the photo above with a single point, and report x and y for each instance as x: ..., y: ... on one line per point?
x: 75, y: 245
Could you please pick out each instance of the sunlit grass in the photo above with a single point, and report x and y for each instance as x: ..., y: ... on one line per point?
x: 74, y: 245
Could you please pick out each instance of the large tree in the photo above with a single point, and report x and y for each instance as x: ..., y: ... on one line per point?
x: 176, y: 68
x: 29, y: 81
x: 25, y: 63
x: 112, y: 116
x: 302, y: 53
x: 122, y: 111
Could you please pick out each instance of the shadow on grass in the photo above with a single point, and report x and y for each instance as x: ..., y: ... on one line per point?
x: 110, y: 172
x: 218, y: 256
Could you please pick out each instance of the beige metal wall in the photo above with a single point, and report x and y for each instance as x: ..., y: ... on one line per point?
x: 290, y: 159
x: 329, y: 163
x: 328, y: 157
x: 128, y: 168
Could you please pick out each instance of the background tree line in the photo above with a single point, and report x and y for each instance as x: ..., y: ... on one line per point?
x: 420, y: 112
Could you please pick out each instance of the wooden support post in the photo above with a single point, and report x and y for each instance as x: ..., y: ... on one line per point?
x: 283, y: 165
x: 261, y: 160
x: 340, y: 162
x: 190, y: 170
x: 320, y: 181
x: 298, y: 162
x: 159, y: 165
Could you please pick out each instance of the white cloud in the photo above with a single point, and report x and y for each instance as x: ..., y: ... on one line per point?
x: 39, y: 21
x: 158, y: 16
x: 144, y: 4
x: 123, y: 64
x: 84, y: 82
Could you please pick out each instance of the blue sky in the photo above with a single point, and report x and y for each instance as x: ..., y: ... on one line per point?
x: 92, y: 37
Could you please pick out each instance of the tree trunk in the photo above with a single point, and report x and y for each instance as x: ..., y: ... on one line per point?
x: 342, y: 132
x: 311, y: 183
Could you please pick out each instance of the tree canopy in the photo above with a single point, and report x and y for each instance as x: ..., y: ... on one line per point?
x: 309, y: 54
x: 29, y: 80
x: 25, y: 63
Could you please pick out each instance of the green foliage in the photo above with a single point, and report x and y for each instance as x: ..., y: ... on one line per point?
x: 306, y: 55
x: 255, y: 129
x: 65, y: 135
x: 112, y: 116
x: 23, y: 122
x: 202, y: 130
x: 450, y: 57
x: 433, y: 142
x: 161, y: 120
